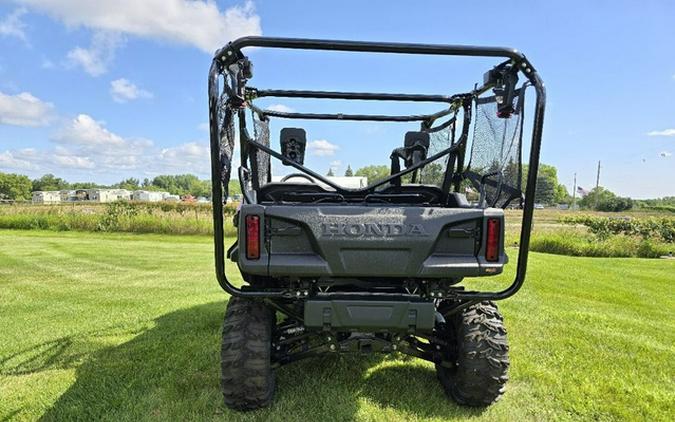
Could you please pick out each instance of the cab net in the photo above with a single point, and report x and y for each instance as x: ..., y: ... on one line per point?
x: 441, y: 137
x: 494, y: 167
x: 260, y: 160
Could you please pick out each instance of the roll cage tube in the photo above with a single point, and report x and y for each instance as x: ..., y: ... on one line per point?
x: 231, y: 53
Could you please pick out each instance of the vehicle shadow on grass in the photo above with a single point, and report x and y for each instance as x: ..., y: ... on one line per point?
x: 171, y: 372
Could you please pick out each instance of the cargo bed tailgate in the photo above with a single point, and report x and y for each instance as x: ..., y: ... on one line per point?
x: 372, y: 241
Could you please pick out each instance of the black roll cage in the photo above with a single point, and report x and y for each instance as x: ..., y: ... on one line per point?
x: 239, y: 95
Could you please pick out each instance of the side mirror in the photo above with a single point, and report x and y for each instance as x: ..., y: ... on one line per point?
x: 293, y: 142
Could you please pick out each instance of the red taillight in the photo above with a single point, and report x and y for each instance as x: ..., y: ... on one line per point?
x: 252, y: 237
x: 492, y: 240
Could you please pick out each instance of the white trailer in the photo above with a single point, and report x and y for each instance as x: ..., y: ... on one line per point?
x: 46, y: 197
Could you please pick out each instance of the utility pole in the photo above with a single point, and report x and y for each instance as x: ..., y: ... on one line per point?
x: 574, y: 193
x: 597, y: 185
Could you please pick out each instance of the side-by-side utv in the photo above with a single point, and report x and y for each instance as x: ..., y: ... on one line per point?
x: 331, y: 269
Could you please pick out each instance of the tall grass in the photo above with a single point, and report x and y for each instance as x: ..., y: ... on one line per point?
x: 115, y: 217
x: 584, y: 235
x: 661, y: 228
x: 577, y: 243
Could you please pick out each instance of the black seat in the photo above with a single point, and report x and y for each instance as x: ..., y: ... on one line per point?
x: 280, y: 191
x: 431, y: 194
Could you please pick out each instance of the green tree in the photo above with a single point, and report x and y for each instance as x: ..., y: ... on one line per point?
x: 549, y: 190
x: 129, y: 184
x: 349, y: 171
x: 432, y: 174
x: 15, y: 186
x: 561, y: 195
x: 547, y: 184
x: 183, y: 184
x: 168, y: 183
x: 330, y: 172
x: 601, y: 199
x: 234, y: 188
x: 85, y: 185
x: 545, y: 192
x: 49, y: 182
x: 374, y: 173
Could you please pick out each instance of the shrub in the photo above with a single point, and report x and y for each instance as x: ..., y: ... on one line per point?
x: 600, y: 199
x: 133, y: 217
x: 661, y: 208
x: 574, y: 243
x: 110, y: 221
x: 660, y: 229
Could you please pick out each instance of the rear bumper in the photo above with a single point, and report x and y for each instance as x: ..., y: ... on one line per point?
x: 369, y: 315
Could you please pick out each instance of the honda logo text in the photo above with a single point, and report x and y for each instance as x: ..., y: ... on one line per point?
x: 371, y: 230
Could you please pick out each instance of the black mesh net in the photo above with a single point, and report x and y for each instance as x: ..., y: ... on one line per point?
x: 261, y: 159
x: 496, y: 151
x: 226, y: 124
x: 441, y: 137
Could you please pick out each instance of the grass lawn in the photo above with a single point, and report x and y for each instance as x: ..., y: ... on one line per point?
x: 126, y: 327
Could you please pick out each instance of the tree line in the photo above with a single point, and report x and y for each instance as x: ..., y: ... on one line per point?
x: 19, y: 187
x: 549, y: 190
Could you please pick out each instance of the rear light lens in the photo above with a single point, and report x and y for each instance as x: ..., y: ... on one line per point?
x: 252, y: 237
x: 493, y: 238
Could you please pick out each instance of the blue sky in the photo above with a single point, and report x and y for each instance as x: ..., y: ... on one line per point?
x: 112, y: 89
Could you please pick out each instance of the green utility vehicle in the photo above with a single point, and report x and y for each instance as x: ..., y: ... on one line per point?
x: 379, y: 268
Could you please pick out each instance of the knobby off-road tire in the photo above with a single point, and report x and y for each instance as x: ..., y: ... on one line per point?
x: 247, y: 378
x: 479, y: 348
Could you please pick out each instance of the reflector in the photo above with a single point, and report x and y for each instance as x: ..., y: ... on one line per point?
x: 252, y: 237
x: 492, y: 241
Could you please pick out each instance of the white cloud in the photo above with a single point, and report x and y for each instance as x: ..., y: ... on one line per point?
x: 186, y: 151
x: 96, y: 59
x: 665, y: 132
x: 334, y: 166
x: 204, y: 126
x: 85, y: 144
x: 123, y: 90
x: 100, y: 148
x: 24, y: 110
x: 281, y: 108
x: 12, y: 25
x: 47, y: 64
x: 84, y: 130
x: 190, y: 157
x: 74, y: 161
x: 123, y: 162
x: 192, y: 22
x: 665, y: 154
x: 9, y: 160
x: 322, y: 148
x: 47, y: 160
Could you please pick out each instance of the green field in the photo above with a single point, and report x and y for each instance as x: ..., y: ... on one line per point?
x: 126, y: 327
